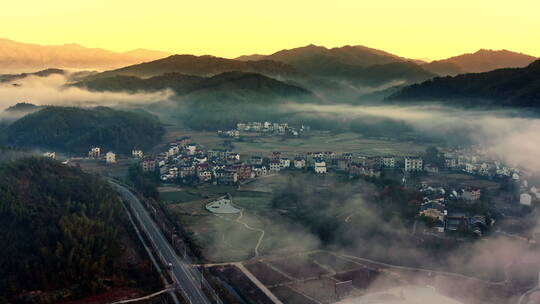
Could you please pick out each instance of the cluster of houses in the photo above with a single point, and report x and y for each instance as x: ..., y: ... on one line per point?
x: 95, y: 152
x: 435, y: 203
x: 264, y: 128
x: 191, y: 163
x: 476, y: 162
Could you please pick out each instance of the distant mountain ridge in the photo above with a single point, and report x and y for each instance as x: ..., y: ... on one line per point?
x: 201, y: 66
x: 512, y: 87
x: 481, y: 61
x: 42, y: 73
x: 16, y: 57
x: 358, y: 65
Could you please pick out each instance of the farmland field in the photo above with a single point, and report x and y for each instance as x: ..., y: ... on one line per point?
x: 289, y: 296
x: 334, y: 262
x: 318, y: 141
x: 300, y: 267
x: 265, y: 274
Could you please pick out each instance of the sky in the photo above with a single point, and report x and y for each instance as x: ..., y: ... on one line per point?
x: 433, y: 29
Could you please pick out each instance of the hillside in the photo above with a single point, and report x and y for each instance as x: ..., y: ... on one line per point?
x: 514, y: 87
x: 478, y: 62
x: 42, y: 73
x: 22, y: 107
x: 313, y: 59
x: 19, y: 57
x: 62, y: 234
x: 252, y: 57
x: 200, y: 66
x: 186, y: 84
x: 358, y: 65
x: 77, y: 129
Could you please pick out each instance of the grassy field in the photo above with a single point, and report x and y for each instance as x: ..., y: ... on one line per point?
x: 319, y: 141
x: 225, y: 239
x: 186, y: 194
x: 461, y: 180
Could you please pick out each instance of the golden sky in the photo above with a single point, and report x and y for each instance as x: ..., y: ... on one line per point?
x: 411, y: 28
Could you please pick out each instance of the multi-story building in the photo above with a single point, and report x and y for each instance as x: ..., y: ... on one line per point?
x: 227, y: 177
x: 148, y: 165
x: 319, y: 166
x: 389, y: 162
x: 243, y: 171
x: 471, y: 194
x: 275, y: 166
x: 95, y: 152
x: 285, y: 163
x: 413, y: 164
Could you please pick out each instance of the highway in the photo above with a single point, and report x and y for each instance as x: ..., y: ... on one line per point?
x: 188, y: 280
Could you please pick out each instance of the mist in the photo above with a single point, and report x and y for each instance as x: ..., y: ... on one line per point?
x: 53, y: 90
x: 508, y: 135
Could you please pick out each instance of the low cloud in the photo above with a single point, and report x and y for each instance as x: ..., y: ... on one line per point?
x: 52, y: 90
x: 508, y: 135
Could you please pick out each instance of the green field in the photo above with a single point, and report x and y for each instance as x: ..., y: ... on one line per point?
x: 175, y: 194
x: 222, y: 238
x: 318, y: 141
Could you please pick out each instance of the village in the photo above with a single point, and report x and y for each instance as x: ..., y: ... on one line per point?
x: 217, y: 191
x: 187, y: 163
x: 265, y: 128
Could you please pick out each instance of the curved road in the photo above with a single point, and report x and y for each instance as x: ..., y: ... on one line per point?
x: 187, y: 280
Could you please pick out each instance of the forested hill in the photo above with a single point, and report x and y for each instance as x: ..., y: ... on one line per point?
x: 511, y: 87
x: 60, y: 231
x: 77, y: 129
x: 186, y: 84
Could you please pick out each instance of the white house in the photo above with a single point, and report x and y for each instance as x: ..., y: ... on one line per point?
x: 525, y: 199
x: 95, y: 152
x: 110, y: 157
x: 137, y: 154
x: 299, y: 163
x: 191, y: 148
x: 285, y: 163
x: 320, y: 167
x: 51, y: 155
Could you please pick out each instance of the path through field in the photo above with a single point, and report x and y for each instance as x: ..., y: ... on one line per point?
x: 261, y: 237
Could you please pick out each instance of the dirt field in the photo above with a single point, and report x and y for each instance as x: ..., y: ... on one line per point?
x: 322, y: 289
x: 299, y: 267
x: 265, y: 274
x: 289, y: 296
x: 335, y: 263
x: 242, y: 284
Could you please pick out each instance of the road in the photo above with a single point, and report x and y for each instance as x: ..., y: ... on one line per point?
x: 187, y: 279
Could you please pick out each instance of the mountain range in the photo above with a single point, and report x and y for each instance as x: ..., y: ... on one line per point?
x: 354, y: 64
x: 332, y: 61
x: 478, y: 62
x: 17, y: 57
x: 516, y: 87
x: 201, y: 66
x: 334, y: 74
